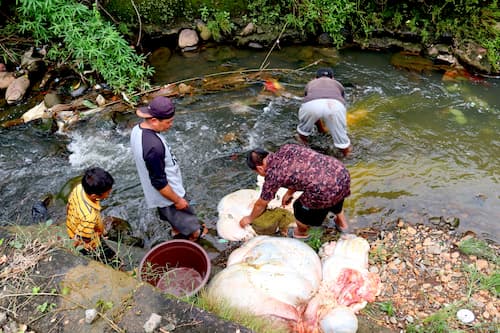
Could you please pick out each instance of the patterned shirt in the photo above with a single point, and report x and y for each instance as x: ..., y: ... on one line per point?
x: 83, y: 218
x: 323, y: 179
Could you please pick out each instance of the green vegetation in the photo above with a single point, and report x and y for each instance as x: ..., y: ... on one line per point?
x: 84, y: 38
x: 81, y: 38
x: 218, y: 22
x: 314, y: 241
x: 257, y: 324
x: 428, y: 22
x: 478, y: 248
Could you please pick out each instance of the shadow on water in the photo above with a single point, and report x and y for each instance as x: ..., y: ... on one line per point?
x: 423, y: 148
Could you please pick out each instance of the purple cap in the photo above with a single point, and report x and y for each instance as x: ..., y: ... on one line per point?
x: 160, y: 107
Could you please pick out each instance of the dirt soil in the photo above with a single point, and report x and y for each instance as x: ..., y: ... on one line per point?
x: 424, y: 277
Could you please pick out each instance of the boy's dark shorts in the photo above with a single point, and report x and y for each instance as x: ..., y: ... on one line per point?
x: 314, y: 217
x: 185, y: 221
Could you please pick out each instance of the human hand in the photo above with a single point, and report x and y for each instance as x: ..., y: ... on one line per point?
x: 287, y: 199
x: 245, y: 221
x: 181, y: 204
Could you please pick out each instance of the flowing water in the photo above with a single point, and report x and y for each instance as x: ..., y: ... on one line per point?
x: 423, y: 148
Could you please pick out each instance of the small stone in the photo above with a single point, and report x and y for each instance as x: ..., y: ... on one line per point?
x: 428, y: 241
x: 100, y: 100
x: 411, y: 230
x: 90, y: 315
x: 249, y: 29
x: 434, y: 249
x: 169, y: 327
x: 3, y: 318
x: 152, y: 323
x: 187, y: 38
x: 481, y: 264
x: 255, y: 45
x: 465, y: 316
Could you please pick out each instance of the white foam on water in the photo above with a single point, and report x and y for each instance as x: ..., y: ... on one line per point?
x: 104, y: 148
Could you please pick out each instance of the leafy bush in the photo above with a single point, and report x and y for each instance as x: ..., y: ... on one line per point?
x: 85, y: 39
x: 218, y: 22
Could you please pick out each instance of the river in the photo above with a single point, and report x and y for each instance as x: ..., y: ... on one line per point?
x: 423, y: 148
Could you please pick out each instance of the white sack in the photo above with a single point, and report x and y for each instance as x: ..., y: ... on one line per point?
x: 269, y: 276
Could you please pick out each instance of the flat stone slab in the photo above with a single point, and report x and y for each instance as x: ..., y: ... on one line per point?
x: 56, y: 294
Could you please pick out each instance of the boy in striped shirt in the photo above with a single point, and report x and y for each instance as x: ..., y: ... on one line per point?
x: 84, y: 223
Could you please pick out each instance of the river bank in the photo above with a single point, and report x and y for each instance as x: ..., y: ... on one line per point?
x: 428, y: 275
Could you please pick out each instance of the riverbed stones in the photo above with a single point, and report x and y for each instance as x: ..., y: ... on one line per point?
x: 248, y: 29
x: 160, y: 56
x: 203, y: 30
x: 188, y: 38
x: 16, y: 90
x: 6, y: 78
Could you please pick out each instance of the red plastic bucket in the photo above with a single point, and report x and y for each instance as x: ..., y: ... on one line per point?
x: 178, y: 267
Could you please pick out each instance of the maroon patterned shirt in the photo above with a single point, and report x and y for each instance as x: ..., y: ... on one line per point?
x: 324, y: 180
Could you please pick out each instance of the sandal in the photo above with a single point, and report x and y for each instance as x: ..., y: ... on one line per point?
x: 291, y: 234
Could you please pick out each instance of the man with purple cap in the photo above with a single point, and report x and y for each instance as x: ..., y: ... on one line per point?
x: 324, y: 102
x: 159, y: 171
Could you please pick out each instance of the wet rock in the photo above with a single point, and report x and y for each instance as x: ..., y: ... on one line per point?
x: 203, y: 30
x: 100, y: 100
x: 324, y: 39
x: 6, y: 78
x: 39, y: 210
x: 188, y: 38
x: 16, y: 90
x: 160, y: 56
x: 248, y: 29
x: 51, y: 99
x: 119, y: 230
x: 475, y: 55
x: 30, y: 61
x: 255, y: 45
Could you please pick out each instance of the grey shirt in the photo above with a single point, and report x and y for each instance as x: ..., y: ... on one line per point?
x: 324, y: 87
x: 156, y: 166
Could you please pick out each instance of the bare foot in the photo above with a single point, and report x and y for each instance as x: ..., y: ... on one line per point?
x: 341, y: 222
x: 301, y: 139
x: 347, y: 151
x: 198, y: 234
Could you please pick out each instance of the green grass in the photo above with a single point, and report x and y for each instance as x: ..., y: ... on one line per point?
x: 258, y: 324
x: 478, y: 248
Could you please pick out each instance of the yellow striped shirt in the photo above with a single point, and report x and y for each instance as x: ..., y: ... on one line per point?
x: 83, y: 218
